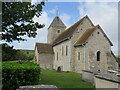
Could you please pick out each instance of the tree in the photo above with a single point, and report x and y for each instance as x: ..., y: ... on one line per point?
x: 17, y: 20
x: 8, y: 53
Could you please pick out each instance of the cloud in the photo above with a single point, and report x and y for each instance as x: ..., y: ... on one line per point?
x: 65, y: 18
x: 41, y: 34
x: 53, y: 11
x: 105, y: 14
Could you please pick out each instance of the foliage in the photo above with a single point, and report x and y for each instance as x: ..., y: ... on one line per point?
x: 63, y: 79
x: 15, y: 74
x: 8, y: 53
x: 17, y: 20
x: 26, y: 54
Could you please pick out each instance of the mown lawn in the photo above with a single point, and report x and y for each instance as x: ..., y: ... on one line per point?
x: 63, y: 79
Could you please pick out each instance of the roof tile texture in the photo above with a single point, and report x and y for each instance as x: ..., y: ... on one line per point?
x: 44, y: 48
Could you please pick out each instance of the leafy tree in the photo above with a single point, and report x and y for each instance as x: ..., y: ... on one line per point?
x: 17, y: 20
x: 8, y: 53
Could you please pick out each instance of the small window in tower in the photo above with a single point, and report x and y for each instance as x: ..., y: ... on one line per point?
x: 58, y: 31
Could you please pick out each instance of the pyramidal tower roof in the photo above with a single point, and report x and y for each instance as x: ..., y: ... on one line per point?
x: 57, y: 22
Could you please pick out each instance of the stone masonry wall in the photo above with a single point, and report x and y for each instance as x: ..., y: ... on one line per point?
x: 46, y: 60
x: 98, y: 42
x: 75, y: 65
x: 60, y: 57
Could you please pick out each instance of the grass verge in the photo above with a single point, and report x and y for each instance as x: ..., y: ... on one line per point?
x: 63, y: 79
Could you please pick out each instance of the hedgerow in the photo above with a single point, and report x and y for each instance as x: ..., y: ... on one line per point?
x: 15, y: 74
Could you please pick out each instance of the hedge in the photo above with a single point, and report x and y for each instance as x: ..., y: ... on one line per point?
x: 15, y: 74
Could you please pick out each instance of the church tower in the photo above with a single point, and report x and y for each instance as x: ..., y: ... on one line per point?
x: 55, y: 29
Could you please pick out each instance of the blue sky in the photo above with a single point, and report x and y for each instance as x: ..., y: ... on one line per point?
x: 103, y: 13
x: 69, y: 8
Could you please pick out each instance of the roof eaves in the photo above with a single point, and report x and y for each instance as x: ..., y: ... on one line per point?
x: 60, y: 41
x: 83, y: 44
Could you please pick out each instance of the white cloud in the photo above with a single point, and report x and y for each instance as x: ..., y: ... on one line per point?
x: 53, y: 11
x: 106, y: 15
x: 41, y: 34
x: 66, y: 19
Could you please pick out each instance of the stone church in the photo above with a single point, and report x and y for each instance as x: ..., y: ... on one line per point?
x: 82, y: 46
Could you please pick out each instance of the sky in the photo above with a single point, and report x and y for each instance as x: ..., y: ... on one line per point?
x: 103, y: 13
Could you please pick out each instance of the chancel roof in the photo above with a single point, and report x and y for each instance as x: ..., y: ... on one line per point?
x: 85, y: 36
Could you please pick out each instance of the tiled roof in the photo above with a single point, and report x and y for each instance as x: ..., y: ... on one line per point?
x: 65, y: 35
x: 86, y: 35
x: 57, y: 22
x: 44, y: 48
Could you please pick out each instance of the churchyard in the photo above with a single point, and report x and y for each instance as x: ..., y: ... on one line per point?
x: 27, y: 73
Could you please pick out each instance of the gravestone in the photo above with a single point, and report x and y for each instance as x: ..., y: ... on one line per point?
x: 38, y: 87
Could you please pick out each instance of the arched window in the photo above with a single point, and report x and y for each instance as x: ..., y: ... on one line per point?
x: 62, y: 50
x: 78, y: 55
x: 98, y: 56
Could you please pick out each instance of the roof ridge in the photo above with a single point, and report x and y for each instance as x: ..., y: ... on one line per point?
x: 42, y: 43
x: 77, y: 22
x: 72, y: 28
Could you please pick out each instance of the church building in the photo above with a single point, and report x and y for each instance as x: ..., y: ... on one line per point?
x: 82, y: 46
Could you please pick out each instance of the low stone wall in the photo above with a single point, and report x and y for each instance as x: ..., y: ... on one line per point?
x: 107, y: 81
x: 88, y: 76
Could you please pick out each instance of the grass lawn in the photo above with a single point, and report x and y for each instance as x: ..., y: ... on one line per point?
x: 63, y: 79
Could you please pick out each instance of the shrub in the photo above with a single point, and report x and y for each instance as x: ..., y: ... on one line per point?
x: 15, y: 74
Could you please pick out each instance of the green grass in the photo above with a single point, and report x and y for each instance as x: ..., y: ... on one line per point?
x: 63, y: 79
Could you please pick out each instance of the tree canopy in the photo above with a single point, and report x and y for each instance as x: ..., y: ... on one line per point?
x: 17, y: 20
